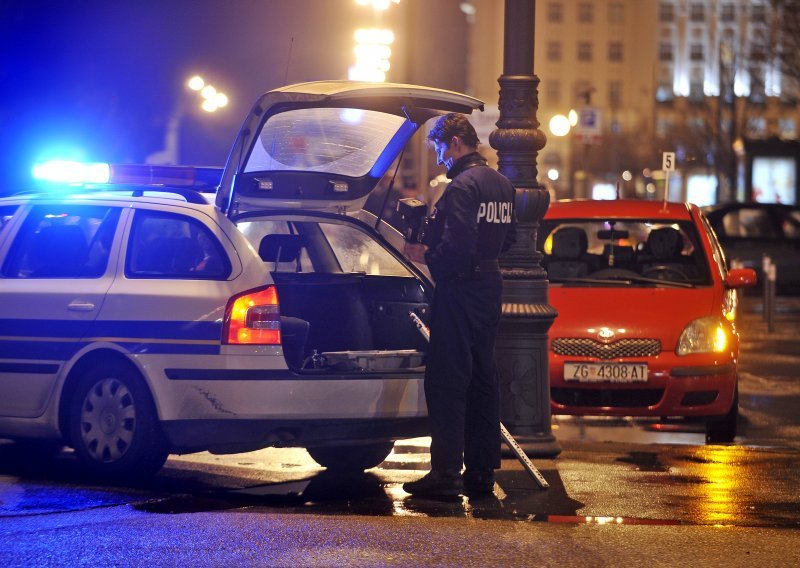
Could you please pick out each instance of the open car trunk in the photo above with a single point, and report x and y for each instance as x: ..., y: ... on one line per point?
x: 344, y: 293
x: 356, y: 323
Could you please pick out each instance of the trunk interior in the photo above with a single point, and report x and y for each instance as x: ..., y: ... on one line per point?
x: 341, y: 323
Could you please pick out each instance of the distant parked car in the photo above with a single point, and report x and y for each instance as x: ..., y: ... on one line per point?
x: 747, y: 231
x: 646, y: 313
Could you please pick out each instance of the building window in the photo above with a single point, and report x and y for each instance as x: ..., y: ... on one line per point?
x: 665, y: 52
x: 757, y: 52
x: 728, y: 13
x: 787, y: 128
x: 697, y: 12
x: 555, y: 12
x: 554, y: 51
x: 756, y: 126
x: 664, y: 92
x: 697, y: 123
x: 615, y: 93
x: 552, y: 93
x: 666, y: 12
x: 758, y: 13
x: 584, y: 51
x: 615, y: 51
x: 664, y: 127
x: 696, y: 52
x: 757, y: 86
x: 696, y: 84
x: 585, y: 13
x: 583, y: 92
x: 616, y: 13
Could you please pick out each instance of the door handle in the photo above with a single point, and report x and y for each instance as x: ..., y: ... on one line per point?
x: 79, y: 306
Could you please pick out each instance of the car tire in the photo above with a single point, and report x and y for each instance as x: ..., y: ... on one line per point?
x: 113, y: 424
x: 353, y: 458
x: 723, y: 430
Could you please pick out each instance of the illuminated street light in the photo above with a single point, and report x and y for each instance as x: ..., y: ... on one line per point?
x: 559, y: 125
x: 372, y: 53
x: 196, y: 83
x: 573, y: 117
x: 379, y: 5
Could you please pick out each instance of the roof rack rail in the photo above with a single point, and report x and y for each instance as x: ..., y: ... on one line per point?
x: 191, y: 195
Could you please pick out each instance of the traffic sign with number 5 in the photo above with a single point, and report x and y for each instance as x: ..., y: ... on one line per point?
x: 668, y: 164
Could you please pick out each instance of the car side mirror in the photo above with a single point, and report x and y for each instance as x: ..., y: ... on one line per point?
x: 741, y: 278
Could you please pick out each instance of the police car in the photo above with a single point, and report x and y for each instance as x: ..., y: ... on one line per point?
x: 139, y: 318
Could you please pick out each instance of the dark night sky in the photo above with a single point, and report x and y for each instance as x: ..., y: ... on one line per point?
x: 98, y: 79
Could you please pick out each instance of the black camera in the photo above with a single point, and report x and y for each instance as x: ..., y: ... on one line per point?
x: 414, y: 214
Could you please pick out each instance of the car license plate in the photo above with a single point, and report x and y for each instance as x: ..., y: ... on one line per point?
x: 606, y: 372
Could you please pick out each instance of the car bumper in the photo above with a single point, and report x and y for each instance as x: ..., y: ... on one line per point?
x: 235, y: 436
x: 691, y: 390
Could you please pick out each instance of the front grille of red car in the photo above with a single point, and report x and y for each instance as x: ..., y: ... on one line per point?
x: 584, y: 347
x: 631, y: 398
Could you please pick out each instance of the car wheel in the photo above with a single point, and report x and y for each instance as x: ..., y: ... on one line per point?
x: 113, y: 424
x: 723, y: 430
x: 351, y: 458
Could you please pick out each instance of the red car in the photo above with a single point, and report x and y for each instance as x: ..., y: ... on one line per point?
x: 646, y: 313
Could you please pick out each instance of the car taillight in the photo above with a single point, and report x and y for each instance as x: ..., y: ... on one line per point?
x: 253, y: 318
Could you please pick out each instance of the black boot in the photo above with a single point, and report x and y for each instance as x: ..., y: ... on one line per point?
x: 478, y: 481
x: 436, y: 483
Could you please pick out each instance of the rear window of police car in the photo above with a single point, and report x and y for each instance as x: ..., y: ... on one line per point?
x: 168, y: 245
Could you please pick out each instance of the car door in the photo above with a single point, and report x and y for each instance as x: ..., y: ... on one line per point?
x: 174, y: 282
x: 55, y: 274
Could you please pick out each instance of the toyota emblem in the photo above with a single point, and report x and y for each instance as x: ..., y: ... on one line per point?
x: 605, y: 335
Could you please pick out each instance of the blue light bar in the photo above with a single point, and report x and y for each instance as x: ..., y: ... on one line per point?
x: 101, y: 173
x: 72, y: 172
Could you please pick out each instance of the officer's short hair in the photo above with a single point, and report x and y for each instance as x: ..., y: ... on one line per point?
x: 454, y: 124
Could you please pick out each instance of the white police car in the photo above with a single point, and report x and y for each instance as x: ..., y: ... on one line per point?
x: 138, y: 320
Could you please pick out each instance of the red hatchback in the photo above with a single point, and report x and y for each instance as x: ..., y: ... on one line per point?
x: 646, y: 313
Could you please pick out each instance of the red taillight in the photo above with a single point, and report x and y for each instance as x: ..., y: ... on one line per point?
x: 253, y: 318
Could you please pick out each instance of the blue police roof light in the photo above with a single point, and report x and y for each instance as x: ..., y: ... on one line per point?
x: 202, y: 178
x: 72, y: 172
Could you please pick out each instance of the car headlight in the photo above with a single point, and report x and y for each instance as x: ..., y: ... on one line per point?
x: 703, y: 335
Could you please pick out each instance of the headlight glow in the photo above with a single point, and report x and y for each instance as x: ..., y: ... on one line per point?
x: 704, y: 335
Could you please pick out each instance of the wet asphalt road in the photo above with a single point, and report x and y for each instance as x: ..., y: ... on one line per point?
x: 622, y: 490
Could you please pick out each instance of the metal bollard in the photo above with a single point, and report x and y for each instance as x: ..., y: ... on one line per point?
x: 771, y: 278
x: 765, y: 264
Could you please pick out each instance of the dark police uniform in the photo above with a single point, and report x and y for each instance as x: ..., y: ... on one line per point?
x: 473, y: 223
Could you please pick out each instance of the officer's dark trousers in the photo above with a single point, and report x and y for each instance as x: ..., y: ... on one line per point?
x: 460, y: 381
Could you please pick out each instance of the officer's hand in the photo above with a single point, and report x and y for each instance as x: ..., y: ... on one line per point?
x: 415, y: 252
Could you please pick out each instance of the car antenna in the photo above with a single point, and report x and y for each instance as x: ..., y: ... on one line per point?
x: 288, y: 60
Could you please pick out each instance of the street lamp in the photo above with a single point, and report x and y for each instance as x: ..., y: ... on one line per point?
x: 372, y: 54
x: 211, y: 100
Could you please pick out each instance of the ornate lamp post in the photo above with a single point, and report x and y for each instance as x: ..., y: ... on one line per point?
x: 527, y: 316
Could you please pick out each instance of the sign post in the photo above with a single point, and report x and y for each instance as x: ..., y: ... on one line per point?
x: 668, y: 165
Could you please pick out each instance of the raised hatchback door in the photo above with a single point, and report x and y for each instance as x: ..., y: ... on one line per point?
x: 325, y: 145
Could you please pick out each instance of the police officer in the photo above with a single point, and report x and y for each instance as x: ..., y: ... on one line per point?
x: 473, y: 223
